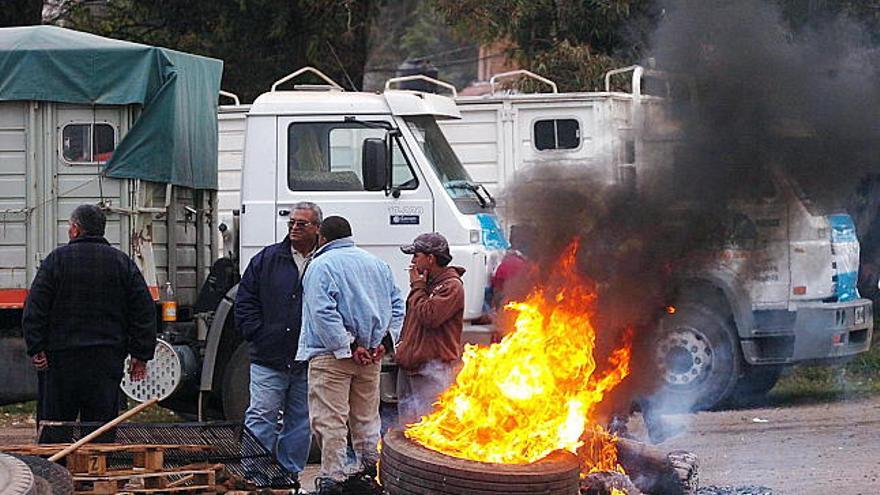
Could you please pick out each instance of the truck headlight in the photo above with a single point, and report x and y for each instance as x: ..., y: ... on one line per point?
x: 860, y: 315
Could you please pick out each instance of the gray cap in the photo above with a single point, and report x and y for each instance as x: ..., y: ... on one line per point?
x: 430, y: 243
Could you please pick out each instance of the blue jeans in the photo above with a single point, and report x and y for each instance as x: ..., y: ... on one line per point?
x: 281, y: 394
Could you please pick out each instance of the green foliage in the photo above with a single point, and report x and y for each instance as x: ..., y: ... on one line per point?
x: 573, y: 41
x: 414, y: 29
x: 259, y: 41
x: 858, y: 378
x: 21, y: 13
x: 801, y: 14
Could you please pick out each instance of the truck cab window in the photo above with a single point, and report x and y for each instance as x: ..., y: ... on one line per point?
x: 557, y: 134
x: 326, y: 156
x: 87, y: 143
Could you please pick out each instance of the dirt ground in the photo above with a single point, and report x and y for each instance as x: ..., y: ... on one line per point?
x: 820, y: 449
x: 831, y: 448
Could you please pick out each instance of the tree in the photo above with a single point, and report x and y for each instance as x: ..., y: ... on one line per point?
x: 413, y: 29
x: 576, y: 41
x: 259, y: 41
x: 572, y: 41
x: 21, y: 13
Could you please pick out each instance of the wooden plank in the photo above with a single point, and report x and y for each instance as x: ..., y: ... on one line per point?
x: 132, y: 474
x: 78, y: 463
x: 98, y: 463
x: 51, y: 448
x: 203, y: 489
x: 150, y: 459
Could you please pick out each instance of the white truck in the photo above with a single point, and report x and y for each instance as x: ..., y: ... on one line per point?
x: 378, y: 159
x: 799, y: 304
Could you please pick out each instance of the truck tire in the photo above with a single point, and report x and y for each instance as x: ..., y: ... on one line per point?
x: 697, y: 358
x: 754, y: 383
x: 236, y: 384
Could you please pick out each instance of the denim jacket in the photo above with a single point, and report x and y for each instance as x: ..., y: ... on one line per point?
x: 349, y: 297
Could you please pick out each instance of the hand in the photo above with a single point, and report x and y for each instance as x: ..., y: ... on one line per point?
x: 40, y: 361
x: 416, y: 276
x: 137, y: 370
x: 377, y: 354
x: 361, y: 356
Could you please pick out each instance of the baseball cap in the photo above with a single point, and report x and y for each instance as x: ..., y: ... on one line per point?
x: 430, y: 243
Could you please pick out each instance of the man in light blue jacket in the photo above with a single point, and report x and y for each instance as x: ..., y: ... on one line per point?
x: 350, y: 303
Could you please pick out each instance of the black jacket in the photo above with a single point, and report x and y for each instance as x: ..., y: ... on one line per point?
x: 268, y: 306
x: 89, y: 294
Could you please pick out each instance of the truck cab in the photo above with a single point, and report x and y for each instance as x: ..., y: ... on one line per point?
x: 382, y: 162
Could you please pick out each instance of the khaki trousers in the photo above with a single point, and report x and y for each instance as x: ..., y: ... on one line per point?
x: 344, y: 395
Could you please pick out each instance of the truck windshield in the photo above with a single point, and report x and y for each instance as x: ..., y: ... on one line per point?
x: 469, y: 197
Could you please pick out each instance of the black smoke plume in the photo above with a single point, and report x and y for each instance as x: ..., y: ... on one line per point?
x: 747, y: 96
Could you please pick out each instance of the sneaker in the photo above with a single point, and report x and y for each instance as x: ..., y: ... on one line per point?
x: 363, y: 483
x: 329, y: 486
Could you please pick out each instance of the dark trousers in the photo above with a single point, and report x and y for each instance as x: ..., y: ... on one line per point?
x: 83, y: 383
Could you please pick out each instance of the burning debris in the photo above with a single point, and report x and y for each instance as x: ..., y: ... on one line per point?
x: 520, y: 408
x: 537, y: 390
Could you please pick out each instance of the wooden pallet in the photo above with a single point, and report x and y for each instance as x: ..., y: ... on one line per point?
x: 183, y: 480
x: 92, y: 459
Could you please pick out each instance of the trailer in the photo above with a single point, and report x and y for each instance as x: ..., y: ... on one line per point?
x: 129, y: 127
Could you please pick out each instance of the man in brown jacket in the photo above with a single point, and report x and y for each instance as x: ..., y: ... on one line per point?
x: 428, y: 352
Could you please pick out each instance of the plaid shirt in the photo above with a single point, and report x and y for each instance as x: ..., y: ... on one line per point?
x: 89, y: 294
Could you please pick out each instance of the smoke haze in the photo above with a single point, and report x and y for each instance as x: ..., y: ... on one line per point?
x: 748, y: 96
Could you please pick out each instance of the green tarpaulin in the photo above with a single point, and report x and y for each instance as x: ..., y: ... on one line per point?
x: 175, y: 137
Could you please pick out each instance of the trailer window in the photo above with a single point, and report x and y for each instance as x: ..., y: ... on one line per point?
x: 557, y: 134
x: 88, y: 143
x: 326, y: 156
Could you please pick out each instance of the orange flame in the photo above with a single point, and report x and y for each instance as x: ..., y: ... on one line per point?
x: 536, y: 391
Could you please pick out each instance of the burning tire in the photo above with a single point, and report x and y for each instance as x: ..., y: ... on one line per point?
x: 697, y: 357
x: 407, y: 468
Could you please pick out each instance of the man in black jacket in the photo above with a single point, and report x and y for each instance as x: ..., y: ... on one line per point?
x: 87, y: 309
x: 268, y: 313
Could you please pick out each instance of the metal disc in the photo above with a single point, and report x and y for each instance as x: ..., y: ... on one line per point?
x: 164, y: 374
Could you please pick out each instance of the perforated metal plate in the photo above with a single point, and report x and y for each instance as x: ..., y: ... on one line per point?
x: 164, y: 374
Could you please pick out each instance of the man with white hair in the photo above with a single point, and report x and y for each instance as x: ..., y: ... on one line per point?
x: 268, y: 313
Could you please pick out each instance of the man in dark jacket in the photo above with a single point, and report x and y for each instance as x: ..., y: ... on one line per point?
x: 87, y: 309
x: 268, y: 313
x: 429, y: 349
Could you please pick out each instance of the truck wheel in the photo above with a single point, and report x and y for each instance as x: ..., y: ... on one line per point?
x: 754, y: 383
x: 697, y: 358
x: 236, y: 384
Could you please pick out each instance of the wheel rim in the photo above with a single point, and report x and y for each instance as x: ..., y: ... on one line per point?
x: 684, y: 357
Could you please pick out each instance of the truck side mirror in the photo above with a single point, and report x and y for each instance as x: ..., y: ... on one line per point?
x: 375, y: 165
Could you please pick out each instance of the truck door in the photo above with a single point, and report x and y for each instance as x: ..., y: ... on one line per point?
x: 86, y: 138
x: 320, y: 161
x: 758, y: 231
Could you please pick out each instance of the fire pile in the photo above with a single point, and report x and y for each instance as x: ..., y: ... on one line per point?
x: 538, y: 389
